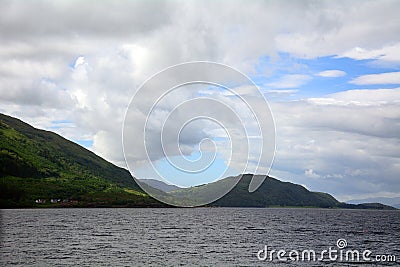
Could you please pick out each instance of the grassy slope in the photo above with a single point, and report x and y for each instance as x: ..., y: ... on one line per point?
x: 40, y: 164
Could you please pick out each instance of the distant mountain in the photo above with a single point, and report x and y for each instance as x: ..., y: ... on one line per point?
x: 38, y: 165
x: 271, y: 193
x: 160, y: 185
x: 275, y: 193
x: 42, y: 169
x: 391, y: 201
x: 369, y: 206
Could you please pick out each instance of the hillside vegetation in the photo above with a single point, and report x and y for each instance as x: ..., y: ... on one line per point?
x: 271, y: 193
x: 41, y: 165
x: 42, y: 169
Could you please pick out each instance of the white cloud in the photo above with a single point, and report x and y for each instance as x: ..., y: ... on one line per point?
x: 381, y: 78
x: 331, y: 73
x: 178, y: 107
x: 279, y: 94
x: 359, y: 53
x: 290, y: 81
x: 79, y: 61
x: 85, y: 68
x: 363, y: 97
x: 333, y: 29
x: 347, y: 141
x: 279, y: 91
x: 311, y: 173
x: 386, y: 54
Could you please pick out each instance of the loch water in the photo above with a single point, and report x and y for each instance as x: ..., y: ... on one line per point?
x: 192, y: 236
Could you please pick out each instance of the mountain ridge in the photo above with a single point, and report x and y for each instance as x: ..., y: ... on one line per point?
x: 390, y: 201
x: 40, y: 168
x: 157, y: 184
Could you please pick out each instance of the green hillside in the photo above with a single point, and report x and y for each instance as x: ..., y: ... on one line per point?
x: 42, y: 169
x: 275, y: 193
x: 271, y: 193
x: 37, y: 164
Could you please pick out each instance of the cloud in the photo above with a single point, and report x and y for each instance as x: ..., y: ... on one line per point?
x: 381, y: 78
x: 43, y: 93
x: 386, y: 55
x: 346, y: 142
x: 331, y: 73
x: 79, y: 61
x: 362, y: 97
x: 329, y: 30
x: 290, y: 81
x: 311, y: 173
x: 82, y: 62
x: 279, y: 91
x: 72, y: 20
x: 230, y: 117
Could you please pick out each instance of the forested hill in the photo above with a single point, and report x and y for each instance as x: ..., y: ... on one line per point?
x: 39, y: 168
x: 38, y: 164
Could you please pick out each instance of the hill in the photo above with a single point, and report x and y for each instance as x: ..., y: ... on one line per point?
x: 367, y: 206
x: 275, y: 193
x: 391, y: 201
x: 271, y: 193
x: 160, y: 185
x: 38, y: 166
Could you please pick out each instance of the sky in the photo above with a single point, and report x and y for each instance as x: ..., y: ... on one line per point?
x: 330, y: 71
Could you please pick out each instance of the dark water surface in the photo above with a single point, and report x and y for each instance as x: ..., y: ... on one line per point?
x: 200, y: 236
